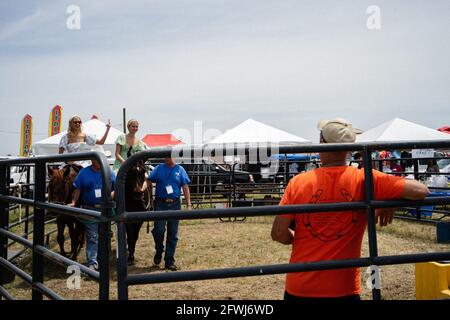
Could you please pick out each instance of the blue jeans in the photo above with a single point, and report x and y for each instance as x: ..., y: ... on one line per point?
x: 91, y: 243
x: 159, y: 229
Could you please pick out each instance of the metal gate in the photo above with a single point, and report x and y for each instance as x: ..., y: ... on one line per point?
x: 124, y: 280
x: 39, y: 251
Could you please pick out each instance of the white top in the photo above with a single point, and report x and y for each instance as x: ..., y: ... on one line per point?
x: 76, y: 147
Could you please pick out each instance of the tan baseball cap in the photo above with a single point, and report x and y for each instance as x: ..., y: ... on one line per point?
x: 337, y: 130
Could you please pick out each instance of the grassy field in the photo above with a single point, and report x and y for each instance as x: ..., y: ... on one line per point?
x: 213, y: 244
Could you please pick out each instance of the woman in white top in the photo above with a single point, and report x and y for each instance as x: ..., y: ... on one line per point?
x: 75, y: 139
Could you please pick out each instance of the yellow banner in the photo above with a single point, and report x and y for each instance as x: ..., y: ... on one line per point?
x: 54, y: 125
x: 26, y: 135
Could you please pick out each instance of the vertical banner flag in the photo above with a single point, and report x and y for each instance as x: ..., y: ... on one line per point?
x: 26, y: 134
x: 54, y: 126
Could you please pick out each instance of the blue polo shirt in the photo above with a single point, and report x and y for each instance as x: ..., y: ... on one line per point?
x: 87, y: 181
x: 163, y: 176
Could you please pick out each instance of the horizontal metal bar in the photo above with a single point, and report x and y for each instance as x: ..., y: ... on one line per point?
x: 307, y: 148
x: 27, y: 202
x: 24, y: 220
x: 77, y: 212
x: 22, y: 274
x: 56, y: 257
x: 20, y: 185
x: 47, y: 291
x: 410, y: 203
x: 14, y: 207
x: 239, y: 211
x: 91, y: 215
x: 4, y: 293
x: 272, y: 210
x: 16, y: 238
x: 411, y: 258
x: 17, y: 254
x: 31, y: 232
x: 54, y: 158
x: 243, y: 271
x: 428, y: 210
x: 280, y: 268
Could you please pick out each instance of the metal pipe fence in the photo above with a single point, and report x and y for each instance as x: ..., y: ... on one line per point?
x: 39, y: 251
x: 124, y: 280
x: 105, y: 217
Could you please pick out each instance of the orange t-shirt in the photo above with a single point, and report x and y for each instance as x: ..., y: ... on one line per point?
x: 332, y: 235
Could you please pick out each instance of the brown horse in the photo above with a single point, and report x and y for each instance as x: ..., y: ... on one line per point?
x: 135, y: 200
x: 60, y: 191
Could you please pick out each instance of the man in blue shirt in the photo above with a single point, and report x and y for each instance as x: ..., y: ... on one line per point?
x: 88, y: 184
x: 170, y: 178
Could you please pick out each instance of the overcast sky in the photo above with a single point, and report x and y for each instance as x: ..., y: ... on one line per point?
x: 287, y: 63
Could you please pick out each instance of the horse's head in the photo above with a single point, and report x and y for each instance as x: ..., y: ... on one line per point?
x: 60, y: 186
x: 136, y: 177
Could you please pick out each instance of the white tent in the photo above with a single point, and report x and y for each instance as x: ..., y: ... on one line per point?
x: 400, y: 130
x: 252, y: 131
x: 50, y: 145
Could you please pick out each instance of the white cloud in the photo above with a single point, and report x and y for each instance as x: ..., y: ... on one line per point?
x: 16, y: 27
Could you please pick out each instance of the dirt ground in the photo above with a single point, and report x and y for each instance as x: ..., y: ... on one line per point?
x: 214, y: 244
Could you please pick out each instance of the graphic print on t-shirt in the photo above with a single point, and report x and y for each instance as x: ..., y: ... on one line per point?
x: 330, y: 226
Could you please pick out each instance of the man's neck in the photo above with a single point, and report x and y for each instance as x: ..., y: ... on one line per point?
x: 337, y: 159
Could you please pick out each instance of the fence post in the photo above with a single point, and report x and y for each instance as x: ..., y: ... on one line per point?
x: 104, y: 237
x: 104, y: 247
x: 416, y: 169
x: 122, y: 268
x: 27, y: 208
x: 38, y: 227
x: 371, y: 228
x: 3, y: 222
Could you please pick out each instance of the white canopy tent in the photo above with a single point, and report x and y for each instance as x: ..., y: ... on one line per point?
x: 401, y: 130
x: 95, y: 127
x: 252, y: 131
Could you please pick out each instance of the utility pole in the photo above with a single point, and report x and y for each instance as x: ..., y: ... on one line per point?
x: 124, y: 120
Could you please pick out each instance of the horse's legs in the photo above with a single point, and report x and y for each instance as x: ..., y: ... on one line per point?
x: 132, y: 237
x: 80, y: 232
x: 129, y: 230
x: 73, y: 238
x: 78, y: 238
x: 60, y: 223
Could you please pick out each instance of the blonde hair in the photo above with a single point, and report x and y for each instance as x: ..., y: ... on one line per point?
x: 71, y: 130
x: 130, y: 122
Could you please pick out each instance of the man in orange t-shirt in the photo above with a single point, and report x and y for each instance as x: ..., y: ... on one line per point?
x: 333, y: 235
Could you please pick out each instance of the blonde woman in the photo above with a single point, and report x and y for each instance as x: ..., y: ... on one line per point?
x: 75, y: 139
x: 128, y: 144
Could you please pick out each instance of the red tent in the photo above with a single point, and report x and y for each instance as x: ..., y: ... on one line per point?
x: 160, y: 140
x: 445, y: 129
